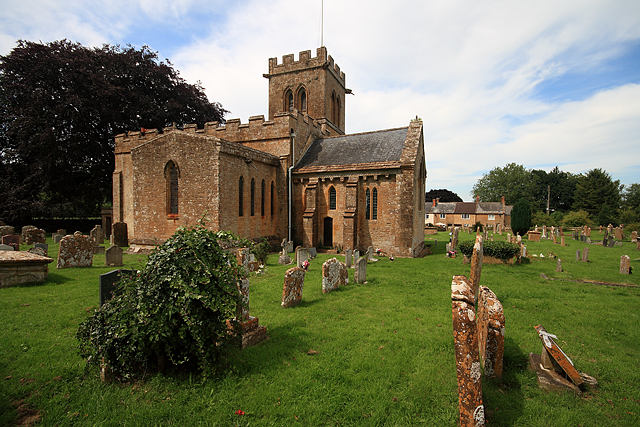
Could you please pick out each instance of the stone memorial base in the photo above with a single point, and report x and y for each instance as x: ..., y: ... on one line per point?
x: 252, y: 332
x: 140, y: 249
x: 18, y: 267
x: 549, y: 379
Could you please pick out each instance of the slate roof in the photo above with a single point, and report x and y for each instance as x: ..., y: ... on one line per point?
x: 465, y: 208
x: 380, y: 149
x: 489, y: 207
x: 441, y: 208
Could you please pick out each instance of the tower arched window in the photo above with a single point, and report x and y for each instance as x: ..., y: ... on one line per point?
x: 262, y: 194
x: 367, y: 204
x: 171, y: 175
x: 303, y: 100
x: 253, y: 196
x: 374, y: 204
x: 241, y: 196
x: 288, y: 99
x: 332, y: 198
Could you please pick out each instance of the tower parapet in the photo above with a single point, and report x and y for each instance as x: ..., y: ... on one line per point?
x: 306, y: 62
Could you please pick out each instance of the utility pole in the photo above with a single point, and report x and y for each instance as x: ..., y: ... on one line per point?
x: 548, y: 198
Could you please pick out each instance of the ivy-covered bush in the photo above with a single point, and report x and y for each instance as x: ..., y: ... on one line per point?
x: 173, y: 312
x: 497, y: 249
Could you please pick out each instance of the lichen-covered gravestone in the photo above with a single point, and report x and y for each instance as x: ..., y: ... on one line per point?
x: 624, y: 264
x: 334, y: 275
x: 292, y: 287
x: 360, y: 274
x: 32, y: 234
x: 75, y: 251
x: 491, y: 327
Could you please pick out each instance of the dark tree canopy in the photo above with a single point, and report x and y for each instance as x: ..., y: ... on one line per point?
x: 631, y: 196
x: 521, y: 217
x: 513, y: 182
x: 596, y: 189
x: 61, y: 104
x: 442, y: 194
x: 560, y: 185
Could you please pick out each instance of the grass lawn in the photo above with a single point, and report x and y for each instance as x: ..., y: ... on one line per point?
x: 385, y: 353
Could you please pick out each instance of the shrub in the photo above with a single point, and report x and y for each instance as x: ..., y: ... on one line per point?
x: 496, y: 249
x: 576, y: 219
x: 175, y: 310
x: 521, y: 217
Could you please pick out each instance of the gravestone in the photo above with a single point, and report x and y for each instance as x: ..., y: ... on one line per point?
x: 553, y: 367
x: 588, y: 231
x: 562, y: 241
x: 113, y: 256
x: 555, y: 240
x: 356, y: 256
x: 31, y: 235
x: 334, y: 275
x: 242, y: 255
x: 7, y: 230
x: 249, y: 332
x: 120, y: 234
x: 108, y: 283
x: 605, y: 239
x: 508, y: 237
x: 360, y: 274
x: 98, y: 250
x: 96, y: 235
x: 544, y: 232
x: 585, y: 255
x: 302, y: 255
x: 12, y: 240
x: 578, y: 255
x: 313, y: 253
x: 38, y: 251
x: 62, y: 231
x: 523, y: 252
x: 284, y: 258
x: 624, y: 264
x: 610, y: 242
x: 5, y: 247
x: 634, y: 237
x: 559, y: 265
x: 75, y: 251
x: 618, y: 233
x: 370, y: 255
x: 57, y: 238
x: 491, y: 331
x: 534, y: 236
x: 292, y: 288
x: 348, y: 258
x: 18, y: 267
x: 454, y: 238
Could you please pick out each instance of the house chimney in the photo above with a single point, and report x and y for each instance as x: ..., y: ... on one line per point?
x: 503, y: 201
x: 477, y: 199
x: 434, y: 202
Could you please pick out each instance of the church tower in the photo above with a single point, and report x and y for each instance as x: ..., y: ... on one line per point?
x: 314, y: 86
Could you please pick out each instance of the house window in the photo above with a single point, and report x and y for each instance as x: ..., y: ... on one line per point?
x: 374, y: 204
x: 253, y: 196
x: 367, y: 203
x: 332, y: 199
x: 492, y: 217
x: 466, y: 216
x: 241, y: 197
x: 171, y: 175
x: 273, y: 197
x: 262, y: 192
x: 443, y: 216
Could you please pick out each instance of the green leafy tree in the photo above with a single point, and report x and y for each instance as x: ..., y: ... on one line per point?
x: 521, y: 217
x: 61, y: 104
x: 576, y: 219
x: 596, y: 189
x: 631, y: 196
x: 557, y: 186
x: 174, y: 312
x: 512, y: 181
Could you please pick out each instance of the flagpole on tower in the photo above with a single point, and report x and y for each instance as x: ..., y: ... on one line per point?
x: 322, y: 25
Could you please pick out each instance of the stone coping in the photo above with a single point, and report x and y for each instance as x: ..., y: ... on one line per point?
x: 23, y: 257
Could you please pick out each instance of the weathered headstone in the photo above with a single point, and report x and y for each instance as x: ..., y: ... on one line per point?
x: 491, y: 326
x: 292, y: 288
x: 334, y: 275
x: 250, y: 331
x: 360, y: 274
x: 559, y: 265
x: 534, y: 236
x: 611, y: 242
x: 624, y: 264
x: 38, y: 251
x: 284, y: 258
x: 544, y: 232
x: 108, y: 283
x: 6, y: 230
x: 62, y: 231
x: 120, y: 234
x: 57, y: 238
x: 75, y: 251
x: 523, y: 251
x: 585, y: 255
x: 348, y: 257
x: 619, y: 234
x: 97, y: 235
x: 634, y: 236
x: 562, y: 241
x: 113, y: 256
x: 12, y: 240
x: 302, y: 255
x: 31, y: 235
x: 5, y: 247
x: 578, y: 255
x: 356, y: 256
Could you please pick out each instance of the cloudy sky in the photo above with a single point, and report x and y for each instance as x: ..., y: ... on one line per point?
x: 539, y: 83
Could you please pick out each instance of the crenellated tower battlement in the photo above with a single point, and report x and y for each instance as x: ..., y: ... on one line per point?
x: 306, y: 62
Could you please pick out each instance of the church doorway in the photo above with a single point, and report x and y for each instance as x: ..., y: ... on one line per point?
x: 328, y: 232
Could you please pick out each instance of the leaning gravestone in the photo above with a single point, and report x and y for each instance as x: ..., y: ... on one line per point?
x: 12, y: 240
x: 120, y: 234
x: 113, y: 256
x: 334, y: 275
x: 108, y: 283
x: 360, y: 274
x: 292, y: 287
x: 75, y: 251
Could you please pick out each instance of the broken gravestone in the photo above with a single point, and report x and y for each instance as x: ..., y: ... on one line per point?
x: 292, y: 288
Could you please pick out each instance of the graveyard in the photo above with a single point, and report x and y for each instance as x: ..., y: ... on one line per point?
x: 373, y: 351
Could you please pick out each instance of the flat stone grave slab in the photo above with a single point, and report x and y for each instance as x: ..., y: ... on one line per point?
x: 17, y: 267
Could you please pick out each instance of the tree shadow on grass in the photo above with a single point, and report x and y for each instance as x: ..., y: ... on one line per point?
x: 504, y: 401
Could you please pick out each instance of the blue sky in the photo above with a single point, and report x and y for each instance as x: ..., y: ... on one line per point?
x: 539, y: 83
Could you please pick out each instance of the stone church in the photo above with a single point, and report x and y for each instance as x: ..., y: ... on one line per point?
x: 296, y: 175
